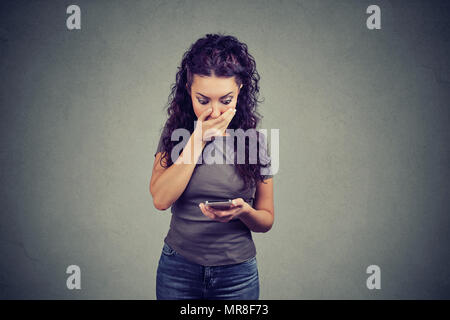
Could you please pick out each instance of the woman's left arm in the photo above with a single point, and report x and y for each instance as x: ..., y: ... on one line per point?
x: 260, y: 217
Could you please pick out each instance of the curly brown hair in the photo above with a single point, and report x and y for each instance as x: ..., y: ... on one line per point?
x: 223, y: 56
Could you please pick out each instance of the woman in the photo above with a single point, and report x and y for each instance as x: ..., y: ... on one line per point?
x: 208, y: 253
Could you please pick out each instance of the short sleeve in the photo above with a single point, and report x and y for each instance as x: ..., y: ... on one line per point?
x: 160, y: 146
x: 265, y: 158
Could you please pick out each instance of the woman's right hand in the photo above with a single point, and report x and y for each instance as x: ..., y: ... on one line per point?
x: 214, y: 127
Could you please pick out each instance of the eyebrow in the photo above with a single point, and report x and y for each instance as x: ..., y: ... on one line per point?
x: 220, y: 97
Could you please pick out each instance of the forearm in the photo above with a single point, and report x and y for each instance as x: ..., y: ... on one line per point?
x: 173, y: 181
x: 257, y: 220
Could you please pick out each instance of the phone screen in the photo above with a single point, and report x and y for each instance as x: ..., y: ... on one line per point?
x: 221, y: 205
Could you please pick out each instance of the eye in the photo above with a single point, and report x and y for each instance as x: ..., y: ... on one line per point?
x: 206, y: 102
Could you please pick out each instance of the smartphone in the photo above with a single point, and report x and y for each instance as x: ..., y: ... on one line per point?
x: 219, y: 205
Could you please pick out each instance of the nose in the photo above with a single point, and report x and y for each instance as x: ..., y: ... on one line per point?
x: 216, y: 112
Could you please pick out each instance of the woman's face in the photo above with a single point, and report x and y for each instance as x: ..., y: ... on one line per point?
x: 220, y: 94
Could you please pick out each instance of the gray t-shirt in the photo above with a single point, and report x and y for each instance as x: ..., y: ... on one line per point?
x: 197, y: 237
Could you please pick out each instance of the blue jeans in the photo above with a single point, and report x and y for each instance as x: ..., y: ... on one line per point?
x: 178, y: 279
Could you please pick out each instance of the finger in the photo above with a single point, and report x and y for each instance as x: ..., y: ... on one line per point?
x: 204, y: 114
x: 227, y: 119
x: 218, y: 213
x: 204, y: 210
x: 225, y: 116
x: 227, y: 213
x: 223, y: 213
x: 238, y: 202
x: 219, y: 118
x: 223, y: 126
x: 213, y: 211
x: 231, y: 114
x: 219, y: 125
x: 233, y: 212
x: 222, y: 218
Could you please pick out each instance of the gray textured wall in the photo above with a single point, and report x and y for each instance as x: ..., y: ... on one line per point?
x: 364, y: 143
